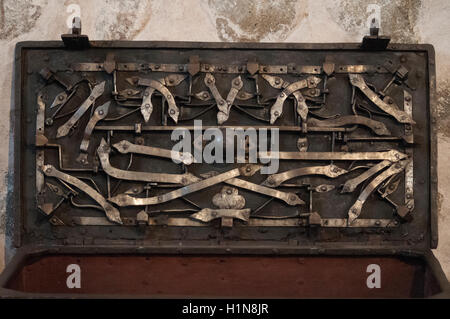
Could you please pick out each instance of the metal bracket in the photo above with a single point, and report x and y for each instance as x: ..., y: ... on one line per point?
x: 375, y: 42
x: 76, y: 40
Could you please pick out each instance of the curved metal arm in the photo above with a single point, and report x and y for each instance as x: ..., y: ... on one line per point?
x: 111, y: 212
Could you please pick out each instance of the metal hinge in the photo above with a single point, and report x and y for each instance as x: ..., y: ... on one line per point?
x: 76, y: 40
x: 375, y: 42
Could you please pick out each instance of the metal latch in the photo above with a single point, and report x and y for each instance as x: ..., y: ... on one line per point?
x: 76, y: 40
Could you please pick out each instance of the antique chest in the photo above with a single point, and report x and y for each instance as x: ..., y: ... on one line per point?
x: 224, y: 170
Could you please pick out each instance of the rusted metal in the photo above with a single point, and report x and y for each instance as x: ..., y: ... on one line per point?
x: 350, y: 136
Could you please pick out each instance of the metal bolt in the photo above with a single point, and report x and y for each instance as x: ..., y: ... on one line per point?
x: 248, y: 169
x: 171, y: 81
x: 91, y: 98
x: 323, y: 188
x: 408, y: 196
x: 410, y: 206
x: 293, y: 197
x: 100, y: 112
x: 408, y: 98
x: 205, y: 95
x: 135, y: 190
x: 237, y: 82
x: 147, y: 106
x: 145, y: 93
x: 172, y: 112
x: 157, y: 66
x: 229, y: 191
x: 221, y: 102
x: 209, y: 81
x: 48, y: 170
x: 169, y: 97
x: 60, y: 97
x: 390, y: 101
x: 281, y: 94
x: 277, y: 81
x: 378, y: 223
x: 129, y: 92
x: 276, y: 113
x: 181, y: 68
x: 206, y: 67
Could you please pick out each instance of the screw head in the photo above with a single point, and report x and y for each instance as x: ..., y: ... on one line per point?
x: 60, y: 97
x: 248, y: 169
x: 276, y: 113
x: 100, y: 112
x: 229, y: 191
x: 172, y: 111
x: 147, y: 106
x: 205, y: 95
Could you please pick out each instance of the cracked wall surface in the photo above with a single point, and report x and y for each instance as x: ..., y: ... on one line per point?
x: 407, y: 21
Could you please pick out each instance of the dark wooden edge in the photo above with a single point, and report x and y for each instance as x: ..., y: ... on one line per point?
x: 25, y: 253
x: 433, y: 151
